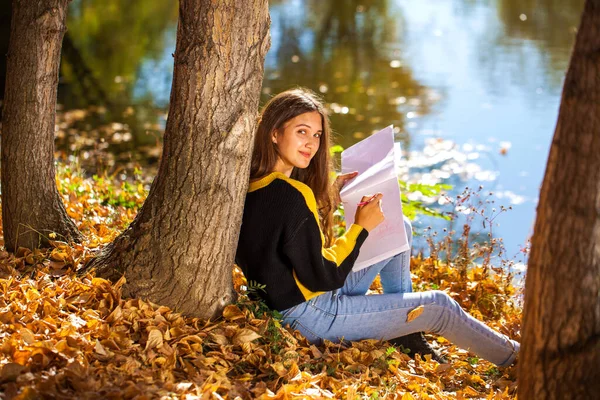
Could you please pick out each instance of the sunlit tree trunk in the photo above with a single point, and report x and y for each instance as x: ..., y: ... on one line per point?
x: 560, y: 357
x: 31, y: 205
x: 180, y: 249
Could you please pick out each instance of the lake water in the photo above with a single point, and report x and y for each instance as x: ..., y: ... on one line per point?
x: 472, y: 86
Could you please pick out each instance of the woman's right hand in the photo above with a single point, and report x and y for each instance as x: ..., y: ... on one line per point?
x: 369, y: 215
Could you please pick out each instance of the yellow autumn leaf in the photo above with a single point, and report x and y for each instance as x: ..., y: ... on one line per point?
x: 83, y: 328
x: 232, y: 313
x: 115, y: 315
x: 414, y: 313
x: 155, y: 339
x: 279, y: 369
x: 58, y: 255
x: 245, y: 336
x: 442, y: 368
x: 28, y: 393
x: 102, y: 352
x: 27, y: 336
x: 10, y: 372
x: 470, y: 392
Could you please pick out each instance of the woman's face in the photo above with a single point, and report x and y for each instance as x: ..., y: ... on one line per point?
x: 298, y: 141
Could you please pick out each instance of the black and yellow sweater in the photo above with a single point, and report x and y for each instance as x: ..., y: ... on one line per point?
x: 281, y: 244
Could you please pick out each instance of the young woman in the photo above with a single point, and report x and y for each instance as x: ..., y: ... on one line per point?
x: 287, y: 244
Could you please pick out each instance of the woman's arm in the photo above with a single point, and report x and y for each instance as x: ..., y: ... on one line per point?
x: 316, y: 267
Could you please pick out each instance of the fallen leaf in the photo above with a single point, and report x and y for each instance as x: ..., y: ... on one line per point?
x: 27, y: 336
x: 442, y: 368
x: 102, y: 351
x: 10, y: 372
x: 155, y: 339
x: 244, y: 336
x: 414, y: 313
x: 233, y: 312
x: 316, y: 353
x: 115, y: 315
x: 469, y: 391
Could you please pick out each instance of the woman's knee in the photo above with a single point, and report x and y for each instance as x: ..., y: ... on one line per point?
x: 442, y: 308
x: 441, y: 298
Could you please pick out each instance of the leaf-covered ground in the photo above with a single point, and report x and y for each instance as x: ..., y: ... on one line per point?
x: 64, y: 336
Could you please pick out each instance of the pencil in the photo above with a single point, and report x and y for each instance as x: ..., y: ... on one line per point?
x: 363, y: 203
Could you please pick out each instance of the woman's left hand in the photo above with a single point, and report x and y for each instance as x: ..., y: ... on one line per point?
x: 339, y: 183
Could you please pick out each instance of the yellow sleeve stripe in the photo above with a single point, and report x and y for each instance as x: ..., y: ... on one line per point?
x: 307, y: 293
x: 343, y: 246
x: 307, y: 193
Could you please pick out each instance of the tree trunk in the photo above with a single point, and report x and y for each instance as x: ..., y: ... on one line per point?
x: 180, y: 248
x: 5, y: 15
x: 560, y: 356
x: 31, y: 205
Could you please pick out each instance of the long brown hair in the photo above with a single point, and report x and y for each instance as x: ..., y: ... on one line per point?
x: 274, y: 115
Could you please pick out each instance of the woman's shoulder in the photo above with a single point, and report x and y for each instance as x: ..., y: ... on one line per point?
x: 281, y: 184
x: 303, y: 189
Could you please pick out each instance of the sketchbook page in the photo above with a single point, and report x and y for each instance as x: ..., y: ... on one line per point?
x: 375, y: 160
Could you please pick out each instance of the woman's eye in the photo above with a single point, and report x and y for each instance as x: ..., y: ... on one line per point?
x: 302, y: 131
x: 318, y: 135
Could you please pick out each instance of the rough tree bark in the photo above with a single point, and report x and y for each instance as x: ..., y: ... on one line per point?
x: 560, y: 356
x: 180, y: 249
x: 31, y: 205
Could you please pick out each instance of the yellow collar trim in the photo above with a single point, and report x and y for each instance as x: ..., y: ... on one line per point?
x: 266, y: 180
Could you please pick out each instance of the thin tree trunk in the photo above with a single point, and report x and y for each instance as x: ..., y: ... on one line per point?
x: 31, y: 205
x: 180, y: 249
x: 560, y: 357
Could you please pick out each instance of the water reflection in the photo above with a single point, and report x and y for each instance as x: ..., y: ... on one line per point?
x: 550, y: 23
x: 507, y: 53
x: 350, y: 52
x: 117, y: 54
x: 114, y: 39
x: 481, y: 76
x: 111, y: 53
x: 500, y: 66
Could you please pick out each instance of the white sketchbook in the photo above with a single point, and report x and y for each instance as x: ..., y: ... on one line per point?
x: 375, y: 160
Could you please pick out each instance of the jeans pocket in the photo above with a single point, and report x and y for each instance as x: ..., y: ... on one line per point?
x: 307, y: 333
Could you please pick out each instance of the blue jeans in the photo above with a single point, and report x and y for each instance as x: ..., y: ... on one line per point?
x: 349, y: 314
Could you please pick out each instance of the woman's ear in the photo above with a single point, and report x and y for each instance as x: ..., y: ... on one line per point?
x: 274, y: 136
